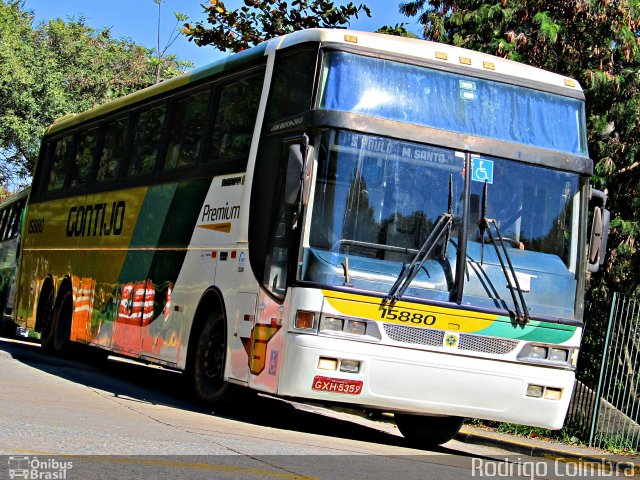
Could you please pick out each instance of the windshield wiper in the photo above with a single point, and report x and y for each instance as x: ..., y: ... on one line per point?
x: 408, y: 273
x: 521, y: 310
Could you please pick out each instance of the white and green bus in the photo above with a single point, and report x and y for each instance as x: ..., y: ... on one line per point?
x: 12, y: 211
x: 332, y: 215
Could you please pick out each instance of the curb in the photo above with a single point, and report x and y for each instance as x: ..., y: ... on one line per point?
x: 551, y: 453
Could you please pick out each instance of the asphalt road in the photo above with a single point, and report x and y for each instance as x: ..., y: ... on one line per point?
x: 82, y: 420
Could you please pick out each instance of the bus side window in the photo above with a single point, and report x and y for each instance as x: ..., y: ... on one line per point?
x: 8, y: 226
x: 17, y: 213
x: 146, y: 140
x: 58, y: 163
x: 292, y: 85
x: 187, y: 126
x: 83, y: 158
x: 235, y: 118
x: 113, y: 149
x: 4, y: 214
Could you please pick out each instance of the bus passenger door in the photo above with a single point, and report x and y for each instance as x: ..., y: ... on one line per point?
x: 265, y: 348
x: 240, y: 341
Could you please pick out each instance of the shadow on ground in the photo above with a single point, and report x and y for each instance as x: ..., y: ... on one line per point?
x: 157, y: 386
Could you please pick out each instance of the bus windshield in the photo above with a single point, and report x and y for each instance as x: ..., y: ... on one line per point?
x: 453, y: 102
x: 376, y: 200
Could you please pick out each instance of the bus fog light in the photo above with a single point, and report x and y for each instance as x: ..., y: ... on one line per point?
x: 327, y: 363
x: 538, y: 352
x: 304, y: 320
x: 330, y: 324
x: 350, y: 366
x: 559, y: 355
x: 356, y: 327
x: 535, y: 391
x: 553, y: 393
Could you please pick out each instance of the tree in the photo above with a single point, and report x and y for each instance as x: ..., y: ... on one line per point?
x: 399, y: 30
x: 260, y: 20
x: 56, y: 68
x: 160, y: 58
x: 596, y: 42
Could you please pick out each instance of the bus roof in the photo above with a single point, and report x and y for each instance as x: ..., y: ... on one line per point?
x: 422, y: 50
x: 14, y: 197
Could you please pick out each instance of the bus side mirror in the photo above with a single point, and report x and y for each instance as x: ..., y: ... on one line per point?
x: 298, y: 176
x: 293, y: 179
x: 599, y: 232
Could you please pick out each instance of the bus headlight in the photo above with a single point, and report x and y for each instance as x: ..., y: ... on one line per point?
x: 538, y: 352
x: 348, y: 327
x: 356, y: 327
x: 331, y: 324
x: 547, y: 354
x: 559, y: 355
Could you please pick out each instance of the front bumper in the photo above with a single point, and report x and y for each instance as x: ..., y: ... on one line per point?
x: 425, y: 382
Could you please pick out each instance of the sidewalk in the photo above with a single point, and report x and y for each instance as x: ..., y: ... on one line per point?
x: 548, y: 449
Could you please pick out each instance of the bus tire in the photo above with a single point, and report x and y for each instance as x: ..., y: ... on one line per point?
x: 62, y: 318
x: 427, y: 431
x: 6, y: 324
x: 207, y: 369
x: 44, y: 319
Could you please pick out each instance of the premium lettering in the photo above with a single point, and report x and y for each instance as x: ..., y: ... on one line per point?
x: 214, y: 214
x: 98, y: 220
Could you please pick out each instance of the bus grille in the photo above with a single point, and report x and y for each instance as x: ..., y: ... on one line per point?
x: 496, y: 346
x: 421, y: 336
x: 435, y: 338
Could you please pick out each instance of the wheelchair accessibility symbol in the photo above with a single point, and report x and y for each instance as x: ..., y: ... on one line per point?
x: 482, y: 170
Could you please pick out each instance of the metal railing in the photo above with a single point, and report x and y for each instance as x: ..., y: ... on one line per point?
x: 605, y: 409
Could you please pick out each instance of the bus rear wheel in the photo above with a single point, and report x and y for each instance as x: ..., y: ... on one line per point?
x: 207, y: 369
x: 62, y: 318
x: 45, y: 319
x: 427, y: 431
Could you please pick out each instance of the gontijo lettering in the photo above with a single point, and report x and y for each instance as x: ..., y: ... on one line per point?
x: 100, y: 219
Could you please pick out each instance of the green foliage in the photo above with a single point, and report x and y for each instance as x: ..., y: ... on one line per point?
x: 596, y: 42
x: 398, y: 30
x: 618, y: 444
x: 55, y: 68
x: 260, y: 20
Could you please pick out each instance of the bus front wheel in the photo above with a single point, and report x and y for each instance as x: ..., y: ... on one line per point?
x: 207, y: 370
x: 426, y: 431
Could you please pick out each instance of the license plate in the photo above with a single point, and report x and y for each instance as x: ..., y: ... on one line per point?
x: 337, y: 385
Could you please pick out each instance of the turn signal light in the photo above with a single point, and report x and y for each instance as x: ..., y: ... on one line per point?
x: 305, y: 320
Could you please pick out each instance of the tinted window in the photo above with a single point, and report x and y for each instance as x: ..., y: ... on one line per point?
x: 235, y: 118
x: 18, y: 218
x: 113, y: 148
x: 187, y: 125
x: 83, y: 159
x: 11, y: 217
x: 146, y: 141
x: 4, y: 215
x: 292, y: 85
x: 58, y: 163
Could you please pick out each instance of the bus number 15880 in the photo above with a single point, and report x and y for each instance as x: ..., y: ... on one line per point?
x: 407, y: 316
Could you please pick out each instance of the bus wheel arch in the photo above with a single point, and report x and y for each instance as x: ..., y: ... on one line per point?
x: 44, y: 313
x: 206, y: 352
x: 427, y: 431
